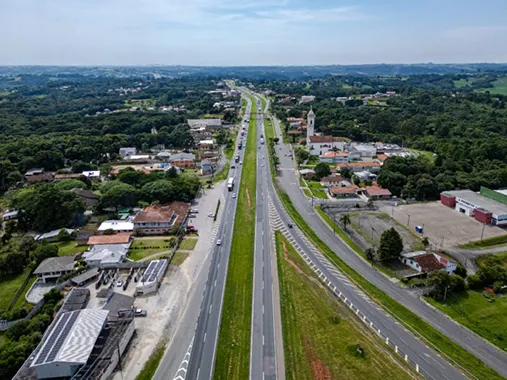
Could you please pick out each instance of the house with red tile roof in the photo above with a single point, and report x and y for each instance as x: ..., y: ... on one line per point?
x: 371, y: 166
x: 333, y: 157
x: 160, y: 219
x: 343, y: 191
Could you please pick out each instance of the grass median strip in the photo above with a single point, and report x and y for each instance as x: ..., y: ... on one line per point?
x: 151, y: 365
x: 450, y: 350
x: 320, y: 334
x: 233, y: 350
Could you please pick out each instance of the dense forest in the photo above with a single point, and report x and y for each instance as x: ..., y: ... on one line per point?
x: 465, y: 129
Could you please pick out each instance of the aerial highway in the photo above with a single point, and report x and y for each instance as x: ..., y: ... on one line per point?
x: 191, y: 352
x: 263, y: 350
x: 424, y: 359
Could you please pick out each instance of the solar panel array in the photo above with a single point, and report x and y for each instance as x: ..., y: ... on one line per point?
x: 152, y: 272
x: 57, y: 337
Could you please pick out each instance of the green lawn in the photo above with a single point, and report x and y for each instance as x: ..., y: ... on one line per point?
x: 486, y: 243
x: 9, y: 286
x: 319, y: 193
x: 222, y: 174
x: 499, y: 87
x: 473, y: 310
x: 410, y: 320
x: 233, y: 349
x: 179, y: 258
x: 150, y: 367
x: 461, y: 83
x: 188, y: 244
x: 307, y: 192
x: 142, y: 248
x: 502, y: 256
x: 319, y: 332
x: 69, y: 248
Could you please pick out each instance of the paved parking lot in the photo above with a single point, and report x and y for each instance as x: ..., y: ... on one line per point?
x: 441, y: 224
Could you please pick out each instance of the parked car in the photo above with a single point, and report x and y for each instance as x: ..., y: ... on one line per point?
x: 119, y: 283
x: 192, y: 216
x: 141, y: 313
x: 194, y: 211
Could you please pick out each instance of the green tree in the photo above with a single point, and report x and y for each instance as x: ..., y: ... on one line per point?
x: 69, y: 184
x: 370, y: 254
x: 345, y: 220
x: 440, y: 281
x: 43, y: 251
x: 322, y: 170
x: 119, y: 195
x: 391, y: 245
x: 64, y: 235
x: 162, y: 190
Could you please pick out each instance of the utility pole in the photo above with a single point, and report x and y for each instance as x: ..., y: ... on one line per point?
x: 408, y: 221
x: 445, y: 293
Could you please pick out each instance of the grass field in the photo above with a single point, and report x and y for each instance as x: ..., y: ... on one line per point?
x: 188, y: 244
x: 69, y: 248
x: 486, y: 243
x: 222, y: 174
x: 320, y: 333
x: 142, y: 248
x: 461, y: 83
x: 499, y: 87
x: 502, y: 256
x: 233, y: 348
x: 473, y: 310
x: 150, y: 367
x: 179, y: 258
x: 430, y: 335
x: 9, y: 286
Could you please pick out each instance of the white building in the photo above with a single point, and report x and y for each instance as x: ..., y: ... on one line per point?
x: 333, y: 157
x: 130, y: 151
x: 319, y: 145
x: 358, y: 151
x: 69, y: 343
x: 91, y: 174
x: 116, y: 225
x: 424, y: 262
x: 106, y: 254
x: 150, y: 280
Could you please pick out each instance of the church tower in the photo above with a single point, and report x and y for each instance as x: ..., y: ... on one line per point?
x: 310, y: 127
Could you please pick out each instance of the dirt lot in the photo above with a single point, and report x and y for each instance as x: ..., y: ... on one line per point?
x: 371, y: 225
x: 442, y: 223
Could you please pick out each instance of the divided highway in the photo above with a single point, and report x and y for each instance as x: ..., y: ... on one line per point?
x: 482, y: 349
x: 202, y: 355
x: 263, y: 358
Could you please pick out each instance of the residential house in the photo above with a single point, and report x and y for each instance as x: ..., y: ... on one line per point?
x: 365, y: 175
x: 92, y: 174
x: 104, y: 254
x: 376, y: 192
x: 83, y: 236
x: 183, y: 160
x: 318, y: 145
x: 89, y: 198
x: 307, y: 173
x: 307, y: 99
x: 54, y: 267
x: 209, y: 154
x: 60, y: 177
x: 116, y: 225
x: 160, y: 219
x: 206, y: 167
x: 424, y: 262
x: 206, y: 144
x: 331, y: 181
x: 119, y: 238
x: 39, y: 175
x: 371, y: 166
x: 343, y: 191
x: 164, y: 155
x: 34, y: 171
x: 333, y: 157
x: 126, y: 152
x: 209, y: 124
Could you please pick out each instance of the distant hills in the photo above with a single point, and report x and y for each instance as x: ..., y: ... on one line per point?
x: 257, y: 72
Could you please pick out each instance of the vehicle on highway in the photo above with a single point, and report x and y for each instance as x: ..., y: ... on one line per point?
x: 233, y: 166
x: 194, y: 211
x: 219, y: 242
x: 119, y: 283
x: 234, y: 195
x: 230, y: 184
x: 211, y: 215
x: 141, y: 313
x: 290, y: 225
x: 241, y: 162
x: 192, y: 216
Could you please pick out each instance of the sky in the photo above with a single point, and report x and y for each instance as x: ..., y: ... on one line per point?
x: 251, y: 32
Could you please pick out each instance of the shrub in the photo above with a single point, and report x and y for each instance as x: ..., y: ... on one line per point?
x: 474, y: 282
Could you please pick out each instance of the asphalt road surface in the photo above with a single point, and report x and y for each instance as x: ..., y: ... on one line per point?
x: 263, y: 363
x: 435, y: 366
x: 197, y: 347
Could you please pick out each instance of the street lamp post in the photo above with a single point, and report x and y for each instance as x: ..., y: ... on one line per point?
x: 408, y: 221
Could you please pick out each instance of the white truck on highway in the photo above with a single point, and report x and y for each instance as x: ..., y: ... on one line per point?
x: 230, y: 184
x: 262, y: 140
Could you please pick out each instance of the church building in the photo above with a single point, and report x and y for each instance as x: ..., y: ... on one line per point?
x: 318, y: 145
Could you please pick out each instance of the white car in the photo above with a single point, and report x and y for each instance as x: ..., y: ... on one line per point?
x: 219, y: 242
x: 234, y: 195
x: 241, y: 162
x: 119, y: 283
x: 211, y: 215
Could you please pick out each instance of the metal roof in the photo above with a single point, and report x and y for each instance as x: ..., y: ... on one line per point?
x: 72, y: 337
x: 478, y: 200
x: 55, y: 264
x: 152, y: 273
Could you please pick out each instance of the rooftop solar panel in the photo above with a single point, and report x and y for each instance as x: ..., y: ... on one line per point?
x: 63, y: 335
x: 52, y: 338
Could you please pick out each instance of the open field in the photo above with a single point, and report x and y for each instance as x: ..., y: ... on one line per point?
x: 233, y: 347
x: 473, y: 310
x: 9, y: 286
x: 188, y: 244
x: 441, y: 224
x: 317, y: 189
x: 142, y: 248
x: 413, y: 322
x: 69, y: 248
x: 499, y: 87
x: 320, y: 334
x: 502, y: 256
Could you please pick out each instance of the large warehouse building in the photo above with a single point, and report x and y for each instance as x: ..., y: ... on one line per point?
x: 488, y: 206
